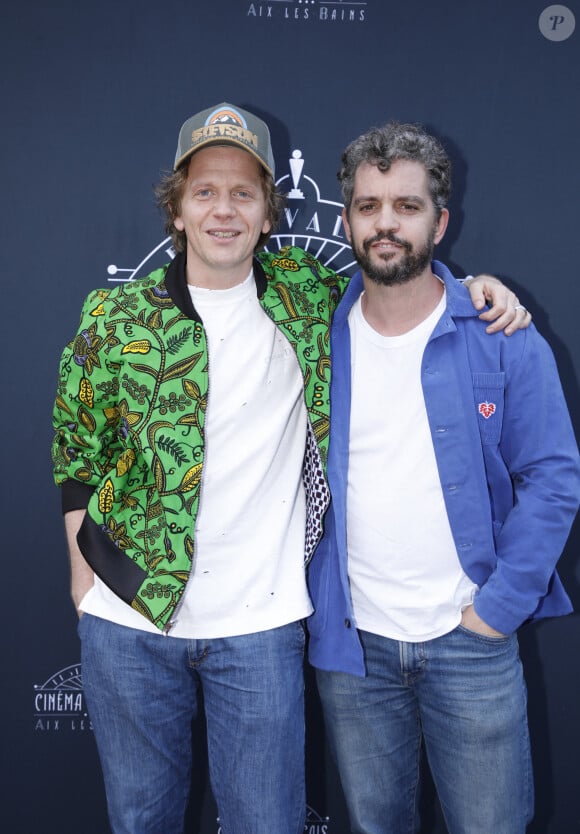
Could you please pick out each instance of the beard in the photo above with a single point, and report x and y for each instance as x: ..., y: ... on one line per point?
x: 407, y: 267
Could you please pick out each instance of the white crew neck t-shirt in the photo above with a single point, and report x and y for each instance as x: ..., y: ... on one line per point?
x: 406, y: 579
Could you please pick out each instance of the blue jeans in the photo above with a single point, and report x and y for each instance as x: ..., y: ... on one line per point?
x: 464, y: 696
x: 142, y: 692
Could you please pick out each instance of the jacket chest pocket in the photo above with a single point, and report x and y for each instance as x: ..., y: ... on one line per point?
x: 488, y: 393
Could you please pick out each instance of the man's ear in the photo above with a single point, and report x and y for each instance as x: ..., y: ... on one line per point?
x: 346, y: 225
x: 441, y: 226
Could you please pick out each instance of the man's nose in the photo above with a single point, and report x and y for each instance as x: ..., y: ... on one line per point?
x: 224, y: 205
x: 386, y: 219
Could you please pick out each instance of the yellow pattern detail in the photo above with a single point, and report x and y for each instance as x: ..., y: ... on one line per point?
x: 125, y: 461
x: 106, y: 496
x: 287, y: 264
x: 139, y: 346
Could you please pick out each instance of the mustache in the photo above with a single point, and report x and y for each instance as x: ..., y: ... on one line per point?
x: 387, y: 236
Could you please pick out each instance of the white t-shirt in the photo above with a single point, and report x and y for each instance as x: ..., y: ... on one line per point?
x: 406, y: 579
x: 248, y: 568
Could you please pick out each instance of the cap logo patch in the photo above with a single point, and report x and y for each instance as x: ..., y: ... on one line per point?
x: 486, y: 409
x: 227, y: 124
x: 226, y: 116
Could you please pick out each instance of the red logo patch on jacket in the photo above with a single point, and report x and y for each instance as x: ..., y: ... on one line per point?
x: 486, y: 409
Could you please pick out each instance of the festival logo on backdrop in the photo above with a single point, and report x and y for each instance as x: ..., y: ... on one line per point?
x: 59, y: 703
x: 309, y: 221
x: 335, y: 11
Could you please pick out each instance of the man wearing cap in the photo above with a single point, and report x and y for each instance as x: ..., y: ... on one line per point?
x: 191, y: 424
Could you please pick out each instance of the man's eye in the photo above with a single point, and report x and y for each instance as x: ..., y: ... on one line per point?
x: 410, y: 208
x: 243, y: 195
x: 203, y: 193
x: 366, y: 208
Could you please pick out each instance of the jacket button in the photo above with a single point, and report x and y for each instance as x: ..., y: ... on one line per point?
x: 347, y: 623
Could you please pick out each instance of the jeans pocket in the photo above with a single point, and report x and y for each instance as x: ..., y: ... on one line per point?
x: 484, y: 638
x: 301, y: 634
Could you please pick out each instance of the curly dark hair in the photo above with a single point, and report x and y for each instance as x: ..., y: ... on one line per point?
x: 381, y: 146
x: 169, y: 192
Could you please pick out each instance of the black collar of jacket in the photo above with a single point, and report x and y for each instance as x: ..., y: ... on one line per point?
x: 176, y: 284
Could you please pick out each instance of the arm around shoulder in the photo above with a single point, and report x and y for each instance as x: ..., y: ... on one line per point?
x: 505, y: 311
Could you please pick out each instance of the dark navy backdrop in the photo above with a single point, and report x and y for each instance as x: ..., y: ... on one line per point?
x: 94, y: 94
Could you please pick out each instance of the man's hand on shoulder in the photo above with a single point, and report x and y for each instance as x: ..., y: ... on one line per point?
x: 505, y: 311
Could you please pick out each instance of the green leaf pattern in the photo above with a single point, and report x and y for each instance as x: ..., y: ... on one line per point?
x: 130, y: 407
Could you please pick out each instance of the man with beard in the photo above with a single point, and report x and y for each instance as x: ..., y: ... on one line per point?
x: 454, y: 477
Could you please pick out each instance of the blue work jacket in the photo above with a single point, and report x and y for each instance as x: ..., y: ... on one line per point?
x: 507, y: 460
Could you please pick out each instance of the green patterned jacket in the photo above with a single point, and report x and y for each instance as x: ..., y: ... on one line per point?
x: 129, y: 419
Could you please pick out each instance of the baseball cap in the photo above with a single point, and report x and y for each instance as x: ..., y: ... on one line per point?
x: 225, y: 124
